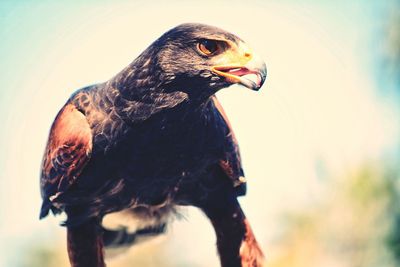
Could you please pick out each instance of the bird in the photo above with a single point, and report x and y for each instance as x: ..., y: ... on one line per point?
x: 123, y: 155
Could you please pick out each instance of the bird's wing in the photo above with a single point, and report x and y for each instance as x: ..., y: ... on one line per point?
x: 231, y: 163
x: 67, y: 153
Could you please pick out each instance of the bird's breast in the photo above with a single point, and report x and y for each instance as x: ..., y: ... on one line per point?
x: 162, y: 149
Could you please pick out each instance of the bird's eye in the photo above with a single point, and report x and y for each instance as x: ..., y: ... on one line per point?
x: 208, y: 47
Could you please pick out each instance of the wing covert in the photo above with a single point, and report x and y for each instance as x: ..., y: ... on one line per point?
x: 231, y: 162
x: 67, y: 152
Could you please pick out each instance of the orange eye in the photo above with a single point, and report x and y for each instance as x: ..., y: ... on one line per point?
x: 208, y: 47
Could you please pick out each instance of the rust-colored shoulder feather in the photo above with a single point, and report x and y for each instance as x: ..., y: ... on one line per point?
x: 67, y: 153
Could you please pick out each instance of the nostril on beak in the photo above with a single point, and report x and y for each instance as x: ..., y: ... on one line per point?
x: 247, y: 54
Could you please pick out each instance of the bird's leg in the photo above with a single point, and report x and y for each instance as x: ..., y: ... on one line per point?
x: 85, y: 245
x: 237, y: 246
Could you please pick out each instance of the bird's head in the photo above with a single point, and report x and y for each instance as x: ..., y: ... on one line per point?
x: 198, y: 57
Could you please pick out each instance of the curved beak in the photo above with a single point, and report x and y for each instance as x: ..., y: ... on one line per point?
x: 251, y: 74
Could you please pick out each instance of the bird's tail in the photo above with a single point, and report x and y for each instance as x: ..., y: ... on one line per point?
x: 123, y: 238
x: 123, y: 229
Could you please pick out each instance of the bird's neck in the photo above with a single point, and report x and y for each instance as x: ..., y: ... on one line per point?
x: 143, y: 89
x: 139, y: 79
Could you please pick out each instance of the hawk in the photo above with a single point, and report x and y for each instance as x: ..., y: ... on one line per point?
x: 124, y: 154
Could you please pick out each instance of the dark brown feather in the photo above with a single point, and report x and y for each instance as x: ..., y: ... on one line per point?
x: 236, y: 243
x: 231, y: 163
x: 85, y: 245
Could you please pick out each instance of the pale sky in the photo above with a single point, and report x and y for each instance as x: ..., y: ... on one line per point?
x: 319, y: 108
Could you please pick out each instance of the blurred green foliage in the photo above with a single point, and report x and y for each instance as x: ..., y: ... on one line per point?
x: 354, y: 225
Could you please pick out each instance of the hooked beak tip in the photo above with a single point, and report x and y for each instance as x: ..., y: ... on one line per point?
x: 255, y: 77
x: 250, y: 75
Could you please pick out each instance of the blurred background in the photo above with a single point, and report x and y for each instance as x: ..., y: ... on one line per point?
x: 320, y: 141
